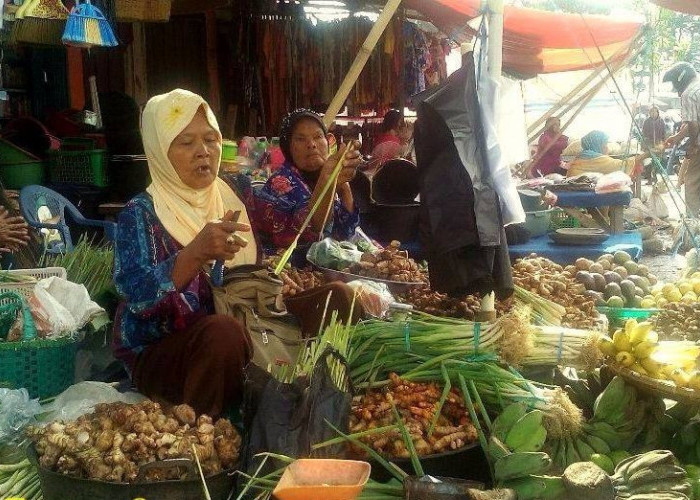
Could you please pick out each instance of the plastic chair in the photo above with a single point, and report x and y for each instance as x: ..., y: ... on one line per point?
x: 33, y: 198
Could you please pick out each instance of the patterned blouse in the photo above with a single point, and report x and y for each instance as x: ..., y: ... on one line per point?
x: 145, y: 255
x: 282, y: 205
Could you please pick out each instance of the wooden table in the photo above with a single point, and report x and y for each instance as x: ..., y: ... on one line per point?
x: 573, y: 201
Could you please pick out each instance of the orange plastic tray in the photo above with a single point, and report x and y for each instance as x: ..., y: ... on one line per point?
x: 316, y: 479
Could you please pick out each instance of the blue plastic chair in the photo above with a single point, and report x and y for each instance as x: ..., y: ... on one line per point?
x: 31, y: 198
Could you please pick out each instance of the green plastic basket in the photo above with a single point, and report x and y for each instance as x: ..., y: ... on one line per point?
x: 79, y: 167
x: 10, y: 154
x: 18, y: 175
x: 618, y: 315
x: 561, y: 220
x: 44, y: 367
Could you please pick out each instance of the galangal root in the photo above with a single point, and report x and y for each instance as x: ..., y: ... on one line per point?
x: 111, y: 443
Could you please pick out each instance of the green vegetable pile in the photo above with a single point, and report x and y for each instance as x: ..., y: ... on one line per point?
x: 20, y: 480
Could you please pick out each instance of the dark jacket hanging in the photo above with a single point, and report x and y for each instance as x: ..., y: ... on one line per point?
x: 461, y: 224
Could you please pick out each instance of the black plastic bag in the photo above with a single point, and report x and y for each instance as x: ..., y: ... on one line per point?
x: 288, y: 419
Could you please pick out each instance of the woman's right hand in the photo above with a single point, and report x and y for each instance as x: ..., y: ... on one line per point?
x: 215, y: 241
x: 14, y: 232
x: 351, y: 163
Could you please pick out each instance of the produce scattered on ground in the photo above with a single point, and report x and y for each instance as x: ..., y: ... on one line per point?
x: 433, y: 427
x: 653, y: 475
x: 111, y: 443
x: 296, y: 280
x: 637, y: 347
x: 678, y: 321
x: 616, y: 281
x: 20, y: 480
x: 389, y: 264
x: 549, y: 280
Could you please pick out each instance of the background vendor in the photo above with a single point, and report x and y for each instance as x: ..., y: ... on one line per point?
x: 166, y: 333
x: 549, y: 149
x: 285, y: 201
x: 594, y: 157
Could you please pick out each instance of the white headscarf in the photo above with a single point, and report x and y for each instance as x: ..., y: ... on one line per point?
x: 182, y: 210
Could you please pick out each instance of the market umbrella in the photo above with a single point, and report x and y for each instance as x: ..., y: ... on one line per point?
x: 684, y: 6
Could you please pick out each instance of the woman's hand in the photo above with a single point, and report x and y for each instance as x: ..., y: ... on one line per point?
x: 351, y: 163
x: 216, y: 240
x: 14, y: 232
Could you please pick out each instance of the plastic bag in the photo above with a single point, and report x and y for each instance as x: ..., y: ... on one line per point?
x: 81, y: 398
x: 66, y: 306
x: 363, y: 242
x: 17, y: 410
x: 332, y: 254
x: 288, y: 419
x: 374, y: 297
x: 613, y: 182
x: 656, y: 204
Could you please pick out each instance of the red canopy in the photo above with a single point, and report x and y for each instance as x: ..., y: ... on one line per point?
x: 685, y: 6
x: 536, y: 41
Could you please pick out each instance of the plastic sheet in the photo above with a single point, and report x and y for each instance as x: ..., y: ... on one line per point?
x: 81, y: 398
x: 17, y: 410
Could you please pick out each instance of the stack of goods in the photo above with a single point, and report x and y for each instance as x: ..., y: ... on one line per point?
x: 114, y: 441
x: 540, y: 276
x: 617, y: 281
x: 296, y: 280
x: 637, y: 347
x: 439, y: 304
x: 388, y: 264
x: 435, y: 425
x: 678, y: 321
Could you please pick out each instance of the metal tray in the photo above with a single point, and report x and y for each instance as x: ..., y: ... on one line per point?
x: 394, y: 286
x: 57, y: 486
x: 579, y: 236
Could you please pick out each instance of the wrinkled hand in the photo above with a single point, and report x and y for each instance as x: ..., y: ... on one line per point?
x: 14, y: 232
x: 351, y: 163
x: 216, y: 240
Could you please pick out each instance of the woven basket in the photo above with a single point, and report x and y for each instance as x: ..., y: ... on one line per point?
x: 663, y: 388
x: 143, y: 10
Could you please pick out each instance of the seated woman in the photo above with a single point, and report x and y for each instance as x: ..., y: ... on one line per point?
x: 173, y: 345
x: 549, y: 149
x: 594, y: 157
x: 285, y: 201
x: 389, y: 144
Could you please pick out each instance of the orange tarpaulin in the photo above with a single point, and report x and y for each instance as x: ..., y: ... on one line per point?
x: 536, y: 41
x: 685, y: 6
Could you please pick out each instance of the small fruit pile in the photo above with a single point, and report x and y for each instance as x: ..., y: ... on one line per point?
x: 616, y: 281
x: 685, y: 291
x: 678, y: 321
x: 637, y: 347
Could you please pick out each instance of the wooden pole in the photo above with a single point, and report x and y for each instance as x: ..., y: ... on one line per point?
x: 496, y: 39
x: 136, y: 81
x: 212, y: 61
x: 76, y: 80
x: 360, y: 61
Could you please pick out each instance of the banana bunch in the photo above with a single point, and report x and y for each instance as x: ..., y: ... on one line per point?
x: 637, y: 347
x: 655, y: 475
x: 620, y: 415
x: 632, y: 347
x: 514, y: 449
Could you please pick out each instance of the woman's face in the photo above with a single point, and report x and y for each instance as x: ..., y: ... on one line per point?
x: 195, y: 152
x: 555, y: 126
x: 309, y: 146
x: 654, y: 113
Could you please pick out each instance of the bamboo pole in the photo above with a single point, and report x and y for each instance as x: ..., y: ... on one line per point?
x: 360, y: 60
x: 496, y: 39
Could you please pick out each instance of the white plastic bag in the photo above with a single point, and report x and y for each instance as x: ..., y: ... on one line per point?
x: 81, y: 398
x: 17, y: 410
x: 375, y: 297
x: 66, y: 306
x: 656, y: 204
x: 613, y: 182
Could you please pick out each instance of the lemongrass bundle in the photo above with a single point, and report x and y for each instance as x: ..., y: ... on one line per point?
x: 421, y: 334
x: 557, y: 345
x: 545, y: 312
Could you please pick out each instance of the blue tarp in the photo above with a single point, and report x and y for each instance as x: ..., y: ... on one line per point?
x: 629, y: 241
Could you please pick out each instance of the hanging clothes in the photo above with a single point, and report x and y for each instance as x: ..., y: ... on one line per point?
x: 461, y: 224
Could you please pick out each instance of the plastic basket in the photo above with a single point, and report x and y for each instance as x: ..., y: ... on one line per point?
x: 560, y: 220
x: 77, y: 144
x: 44, y: 367
x: 79, y: 167
x: 26, y: 289
x: 18, y: 175
x: 10, y: 154
x: 618, y: 315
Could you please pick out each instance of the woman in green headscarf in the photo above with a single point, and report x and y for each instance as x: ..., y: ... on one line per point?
x: 594, y: 157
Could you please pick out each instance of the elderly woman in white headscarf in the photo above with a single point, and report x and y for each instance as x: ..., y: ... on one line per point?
x: 166, y: 332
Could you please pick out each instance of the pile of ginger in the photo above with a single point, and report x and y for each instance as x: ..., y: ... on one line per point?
x: 112, y: 443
